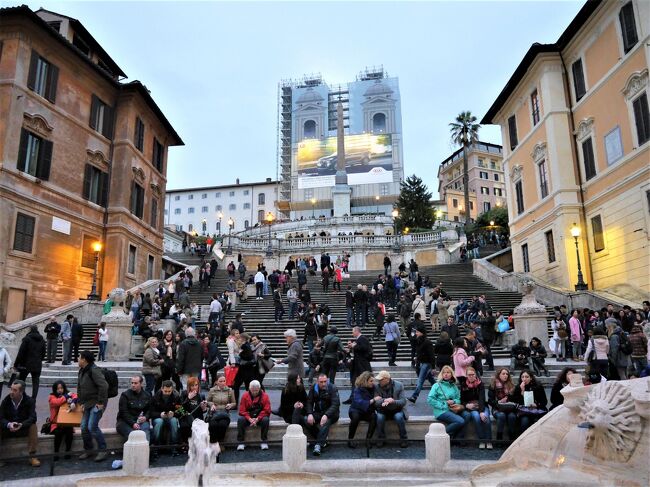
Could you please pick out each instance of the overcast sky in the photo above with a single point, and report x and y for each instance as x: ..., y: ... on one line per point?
x: 213, y: 67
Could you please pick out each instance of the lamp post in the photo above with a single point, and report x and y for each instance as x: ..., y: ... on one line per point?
x: 93, y: 296
x: 220, y: 215
x: 440, y: 245
x: 269, y: 220
x: 395, y: 214
x: 313, y: 204
x: 377, y: 204
x: 581, y: 284
x: 231, y: 223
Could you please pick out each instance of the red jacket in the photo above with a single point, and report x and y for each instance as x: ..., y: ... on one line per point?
x: 261, y: 400
x: 55, y: 403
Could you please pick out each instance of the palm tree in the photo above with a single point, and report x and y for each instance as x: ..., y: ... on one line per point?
x: 464, y: 132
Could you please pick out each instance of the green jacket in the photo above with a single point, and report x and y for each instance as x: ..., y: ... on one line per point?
x: 440, y: 393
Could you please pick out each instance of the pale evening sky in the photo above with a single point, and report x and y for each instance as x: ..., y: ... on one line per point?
x: 213, y: 67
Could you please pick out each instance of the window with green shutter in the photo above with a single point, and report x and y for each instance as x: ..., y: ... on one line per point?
x: 24, y: 233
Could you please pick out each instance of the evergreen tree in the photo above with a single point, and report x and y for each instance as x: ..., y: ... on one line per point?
x: 414, y: 205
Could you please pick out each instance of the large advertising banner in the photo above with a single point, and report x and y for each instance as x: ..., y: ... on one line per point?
x: 368, y: 159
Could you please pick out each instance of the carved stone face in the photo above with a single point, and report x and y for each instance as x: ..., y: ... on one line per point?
x: 117, y: 295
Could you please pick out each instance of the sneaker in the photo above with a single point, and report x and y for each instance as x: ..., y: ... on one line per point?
x: 412, y: 399
x: 264, y: 446
x: 404, y: 444
x: 316, y: 451
x: 101, y: 456
x: 481, y: 446
x: 83, y: 456
x: 34, y: 462
x: 489, y: 446
x: 241, y: 447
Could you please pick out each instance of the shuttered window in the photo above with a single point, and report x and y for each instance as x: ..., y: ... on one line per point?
x: 597, y: 229
x: 101, y: 117
x: 34, y: 155
x: 130, y: 267
x: 628, y: 27
x: 95, y: 185
x: 137, y: 200
x: 157, y: 156
x: 543, y: 179
x: 512, y: 132
x: 519, y: 194
x: 43, y: 77
x: 24, y: 233
x: 550, y: 246
x: 588, y: 156
x: 154, y: 213
x: 642, y: 118
x: 578, y: 79
x: 138, y: 137
x: 534, y: 105
x: 524, y: 256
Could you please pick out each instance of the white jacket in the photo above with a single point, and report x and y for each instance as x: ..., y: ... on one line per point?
x: 5, y: 361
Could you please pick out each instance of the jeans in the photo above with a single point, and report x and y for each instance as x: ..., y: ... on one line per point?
x: 358, y: 314
x: 398, y: 417
x: 577, y: 349
x: 316, y: 430
x: 52, y: 345
x: 125, y: 429
x: 218, y: 426
x: 356, y: 417
x: 90, y: 428
x: 391, y: 346
x: 425, y: 374
x: 150, y: 381
x: 560, y: 348
x: 159, y: 424
x: 259, y: 290
x: 638, y: 364
x: 483, y: 430
x: 510, y: 418
x: 293, y: 308
x: 454, y: 423
x: 242, y: 424
x: 102, y: 350
x: 67, y: 349
x: 309, y: 341
x: 349, y: 312
x: 278, y: 313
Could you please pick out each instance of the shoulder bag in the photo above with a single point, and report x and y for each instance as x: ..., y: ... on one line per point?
x: 454, y: 408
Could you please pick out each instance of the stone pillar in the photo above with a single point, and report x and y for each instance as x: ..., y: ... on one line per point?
x: 530, y: 316
x: 437, y: 446
x: 294, y: 447
x: 136, y: 454
x: 119, y: 327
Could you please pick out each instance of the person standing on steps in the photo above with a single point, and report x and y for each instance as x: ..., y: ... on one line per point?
x: 66, y: 337
x: 425, y: 360
x: 294, y: 360
x: 52, y: 330
x: 259, y: 284
x: 29, y: 360
x: 349, y: 306
x: 278, y: 307
x: 387, y: 265
x: 92, y: 396
x: 361, y: 350
x: 392, y: 339
x: 77, y: 335
x: 332, y: 349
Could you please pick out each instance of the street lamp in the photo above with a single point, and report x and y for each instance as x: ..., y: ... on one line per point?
x: 220, y: 217
x: 491, y: 223
x: 313, y: 204
x: 231, y: 223
x: 581, y: 285
x: 395, y: 214
x: 269, y: 220
x: 97, y: 248
x: 377, y: 204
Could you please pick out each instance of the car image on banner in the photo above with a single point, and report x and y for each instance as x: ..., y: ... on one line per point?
x: 368, y: 159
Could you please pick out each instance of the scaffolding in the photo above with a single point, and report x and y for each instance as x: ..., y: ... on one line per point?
x: 372, y: 73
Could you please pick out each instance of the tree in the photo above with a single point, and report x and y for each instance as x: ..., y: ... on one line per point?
x: 497, y: 215
x: 414, y: 205
x: 464, y: 132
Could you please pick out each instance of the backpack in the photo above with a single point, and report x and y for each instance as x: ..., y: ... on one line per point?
x: 96, y: 339
x: 625, y: 347
x: 111, y: 378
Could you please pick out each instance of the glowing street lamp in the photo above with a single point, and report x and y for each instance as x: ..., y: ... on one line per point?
x: 491, y: 223
x: 313, y: 204
x: 231, y: 224
x: 97, y: 248
x: 377, y: 204
x: 581, y: 284
x: 269, y: 219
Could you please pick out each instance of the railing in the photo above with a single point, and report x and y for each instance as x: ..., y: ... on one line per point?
x: 312, y: 223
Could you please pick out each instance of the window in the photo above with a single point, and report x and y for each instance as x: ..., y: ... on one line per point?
x: 578, y: 79
x: 534, y: 105
x: 204, y: 209
x: 261, y: 199
x: 642, y: 118
x: 150, y: 268
x: 493, y: 164
x: 233, y: 206
x: 137, y: 199
x: 138, y: 137
x: 597, y: 230
x: 101, y: 117
x: 486, y: 206
x: 246, y: 192
x: 309, y: 193
x: 498, y: 192
x: 24, y: 233
x: 87, y: 252
x: 519, y: 195
x: 496, y: 177
x: 484, y: 175
x: 177, y: 211
x: 454, y: 203
x: 157, y: 155
x: 512, y: 132
x: 247, y: 206
x: 190, y: 210
x: 217, y: 194
x: 628, y: 27
x: 34, y: 155
x: 130, y: 268
x: 218, y: 208
x: 79, y: 43
x: 246, y: 224
x: 309, y: 129
x: 543, y: 179
x: 471, y: 205
x: 190, y: 196
x: 95, y: 187
x: 485, y: 190
x: 379, y: 123
x: 550, y: 246
x: 177, y: 198
x: 524, y: 256
x: 204, y: 196
x: 588, y: 158
x: 383, y: 190
x: 154, y: 213
x: 260, y: 216
x: 231, y: 194
x: 43, y: 77
x: 190, y: 227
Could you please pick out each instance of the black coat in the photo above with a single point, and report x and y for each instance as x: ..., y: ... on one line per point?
x: 443, y: 351
x: 31, y: 353
x: 132, y: 404
x: 26, y: 413
x: 424, y: 351
x: 361, y: 360
x: 539, y: 396
x: 324, y: 402
x: 189, y: 356
x: 77, y: 331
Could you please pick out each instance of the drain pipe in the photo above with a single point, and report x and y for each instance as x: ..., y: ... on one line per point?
x: 583, y: 214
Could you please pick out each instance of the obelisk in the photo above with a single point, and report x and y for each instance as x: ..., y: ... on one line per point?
x: 341, y: 191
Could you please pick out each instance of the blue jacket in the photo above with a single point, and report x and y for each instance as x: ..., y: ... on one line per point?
x: 440, y: 393
x: 362, y: 397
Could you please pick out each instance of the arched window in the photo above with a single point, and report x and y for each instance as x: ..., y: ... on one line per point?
x: 261, y: 199
x: 309, y: 129
x: 379, y: 123
x: 190, y: 227
x: 246, y: 225
x: 260, y: 216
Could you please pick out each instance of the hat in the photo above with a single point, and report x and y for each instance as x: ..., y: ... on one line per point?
x: 333, y: 330
x: 383, y: 374
x: 290, y: 333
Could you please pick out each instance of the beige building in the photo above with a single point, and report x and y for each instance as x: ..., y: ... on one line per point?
x: 486, y: 181
x: 574, y: 119
x: 83, y: 159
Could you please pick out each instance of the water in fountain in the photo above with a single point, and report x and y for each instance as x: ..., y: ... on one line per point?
x: 572, y: 447
x: 201, y: 456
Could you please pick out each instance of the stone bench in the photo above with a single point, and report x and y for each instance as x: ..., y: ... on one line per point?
x: 416, y: 427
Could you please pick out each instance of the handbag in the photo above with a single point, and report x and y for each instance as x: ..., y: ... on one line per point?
x: 506, y: 407
x: 67, y: 417
x: 454, y: 408
x: 46, y: 429
x: 561, y: 331
x: 230, y: 371
x: 96, y: 339
x: 529, y: 411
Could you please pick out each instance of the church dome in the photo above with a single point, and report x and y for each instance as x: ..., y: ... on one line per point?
x: 309, y: 96
x: 378, y: 88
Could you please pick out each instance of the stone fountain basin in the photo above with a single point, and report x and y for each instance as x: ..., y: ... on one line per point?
x: 263, y: 479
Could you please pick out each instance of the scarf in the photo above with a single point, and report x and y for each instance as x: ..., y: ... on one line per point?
x: 169, y: 350
x: 500, y: 389
x: 473, y: 385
